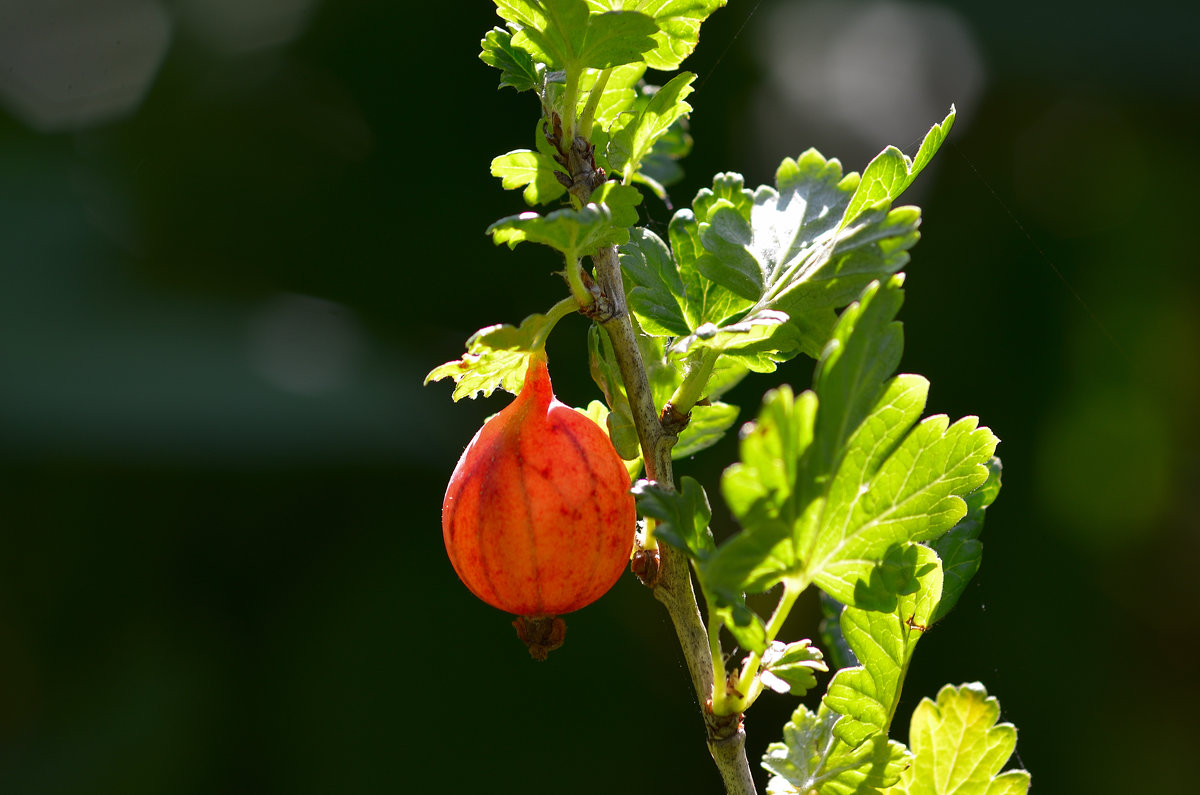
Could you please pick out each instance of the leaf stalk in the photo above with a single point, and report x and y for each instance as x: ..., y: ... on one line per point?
x: 697, y: 369
x: 587, y: 117
x: 570, y: 103
x: 749, y: 684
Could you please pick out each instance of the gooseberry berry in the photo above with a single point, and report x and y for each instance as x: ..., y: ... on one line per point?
x: 538, y: 518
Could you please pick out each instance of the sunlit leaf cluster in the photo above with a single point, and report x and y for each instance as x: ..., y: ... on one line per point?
x: 842, y: 484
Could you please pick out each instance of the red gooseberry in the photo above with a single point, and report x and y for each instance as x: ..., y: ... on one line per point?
x: 538, y: 518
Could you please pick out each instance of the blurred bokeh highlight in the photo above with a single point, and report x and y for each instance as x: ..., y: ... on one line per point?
x: 236, y: 234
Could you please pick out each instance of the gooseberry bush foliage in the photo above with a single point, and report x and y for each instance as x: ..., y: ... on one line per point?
x: 844, y: 486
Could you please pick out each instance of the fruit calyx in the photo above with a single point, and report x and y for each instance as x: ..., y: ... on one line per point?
x: 541, y: 634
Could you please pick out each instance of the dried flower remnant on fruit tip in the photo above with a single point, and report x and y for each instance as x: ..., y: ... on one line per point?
x: 541, y: 634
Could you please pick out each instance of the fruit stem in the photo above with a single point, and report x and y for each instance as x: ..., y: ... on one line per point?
x: 556, y: 313
x: 649, y: 542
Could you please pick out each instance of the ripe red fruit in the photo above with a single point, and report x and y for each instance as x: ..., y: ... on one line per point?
x: 538, y: 519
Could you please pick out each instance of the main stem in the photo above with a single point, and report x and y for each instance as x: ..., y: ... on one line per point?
x: 673, y: 587
x: 672, y: 583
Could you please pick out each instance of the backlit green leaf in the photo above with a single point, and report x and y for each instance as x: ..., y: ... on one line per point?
x: 615, y: 38
x: 958, y: 747
x: 619, y: 95
x: 634, y: 136
x: 620, y: 201
x: 607, y: 375
x: 830, y: 481
x: 786, y: 251
x: 576, y: 233
x: 678, y: 21
x: 863, y: 351
x: 517, y: 69
x: 891, y: 172
x: 553, y: 31
x: 883, y: 643
x: 792, y: 667
x: 533, y: 171
x: 960, y: 549
x: 496, y: 357
x: 812, y: 759
x: 567, y: 34
x: 761, y: 484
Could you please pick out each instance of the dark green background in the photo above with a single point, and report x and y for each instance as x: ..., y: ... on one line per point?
x: 210, y: 583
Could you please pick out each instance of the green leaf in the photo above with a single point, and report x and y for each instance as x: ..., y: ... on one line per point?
x: 812, y: 759
x: 891, y: 172
x: 496, y: 357
x: 758, y: 246
x: 958, y: 748
x: 682, y: 516
x: 679, y: 23
x: 883, y: 643
x: 874, y: 584
x: 914, y: 495
x: 704, y: 300
x: 620, y: 93
x: 960, y: 549
x: 565, y: 34
x: 516, y: 65
x: 653, y: 284
x: 607, y: 375
x: 754, y: 339
x: 740, y: 621
x: 620, y: 201
x: 792, y: 668
x: 751, y: 562
x: 551, y: 30
x: 533, y: 171
x: 660, y: 168
x: 786, y: 251
x: 635, y: 139
x: 615, y: 38
x: 863, y: 351
x: 831, y: 480
x: 576, y: 233
x: 759, y: 487
x: 597, y: 412
x: 891, y: 482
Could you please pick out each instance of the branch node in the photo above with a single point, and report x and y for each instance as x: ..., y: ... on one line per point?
x: 646, y: 566
x: 673, y: 420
